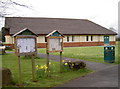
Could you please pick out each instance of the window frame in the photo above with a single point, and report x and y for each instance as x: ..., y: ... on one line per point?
x: 68, y: 39
x: 87, y: 38
x: 73, y: 38
x: 91, y: 38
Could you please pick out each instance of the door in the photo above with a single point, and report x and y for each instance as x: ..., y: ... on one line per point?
x: 106, y: 39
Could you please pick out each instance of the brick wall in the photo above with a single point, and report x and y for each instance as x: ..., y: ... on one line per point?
x: 77, y: 44
x: 72, y: 44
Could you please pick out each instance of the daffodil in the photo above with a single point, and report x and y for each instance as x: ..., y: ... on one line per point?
x: 63, y: 60
x: 42, y: 67
x: 36, y: 66
x: 39, y: 67
x: 66, y: 63
x: 69, y: 61
x: 72, y: 64
x: 49, y: 63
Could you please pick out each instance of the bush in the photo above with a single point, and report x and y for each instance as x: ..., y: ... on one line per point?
x: 76, y: 65
x: 6, y: 76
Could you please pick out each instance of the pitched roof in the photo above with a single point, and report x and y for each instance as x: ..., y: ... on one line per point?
x: 53, y: 33
x: 47, y: 25
x: 25, y: 29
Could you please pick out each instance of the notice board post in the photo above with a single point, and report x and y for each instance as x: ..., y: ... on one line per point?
x: 25, y: 45
x: 54, y: 44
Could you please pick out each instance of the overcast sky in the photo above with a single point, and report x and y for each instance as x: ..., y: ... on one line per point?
x: 103, y: 12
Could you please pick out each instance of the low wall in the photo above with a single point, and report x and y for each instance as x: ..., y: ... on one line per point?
x: 71, y: 44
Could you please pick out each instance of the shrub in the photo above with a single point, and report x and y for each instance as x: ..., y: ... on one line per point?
x: 76, y: 65
x: 6, y: 77
x: 65, y: 67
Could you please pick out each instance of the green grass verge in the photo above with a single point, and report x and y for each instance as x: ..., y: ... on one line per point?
x: 10, y: 61
x: 91, y: 53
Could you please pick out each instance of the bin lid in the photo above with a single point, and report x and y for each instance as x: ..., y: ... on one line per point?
x: 109, y: 46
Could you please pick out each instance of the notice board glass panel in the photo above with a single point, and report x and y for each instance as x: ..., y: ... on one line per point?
x: 55, y: 44
x: 26, y: 45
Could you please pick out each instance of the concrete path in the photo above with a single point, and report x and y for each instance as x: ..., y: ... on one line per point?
x: 105, y: 75
x: 104, y: 78
x: 90, y: 65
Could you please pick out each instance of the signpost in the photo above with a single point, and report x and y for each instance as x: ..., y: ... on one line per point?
x: 54, y: 44
x: 25, y: 44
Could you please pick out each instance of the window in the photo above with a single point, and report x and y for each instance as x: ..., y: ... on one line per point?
x: 45, y: 39
x: 67, y: 38
x: 91, y: 38
x: 72, y: 38
x: 87, y: 38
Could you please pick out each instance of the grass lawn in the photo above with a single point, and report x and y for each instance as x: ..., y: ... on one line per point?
x: 91, y: 53
x: 10, y: 61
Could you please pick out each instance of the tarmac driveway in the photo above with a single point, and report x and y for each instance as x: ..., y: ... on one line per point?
x: 104, y: 78
x: 105, y: 75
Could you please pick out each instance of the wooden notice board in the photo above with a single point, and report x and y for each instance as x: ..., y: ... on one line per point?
x: 54, y: 42
x: 25, y: 45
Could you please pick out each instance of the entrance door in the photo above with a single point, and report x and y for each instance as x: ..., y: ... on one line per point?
x: 106, y: 39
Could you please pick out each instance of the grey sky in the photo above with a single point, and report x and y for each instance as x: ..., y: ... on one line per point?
x: 103, y: 12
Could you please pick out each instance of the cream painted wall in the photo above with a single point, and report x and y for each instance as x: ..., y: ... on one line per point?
x: 9, y: 39
x: 95, y: 38
x: 82, y: 38
x: 41, y: 39
x: 102, y: 38
x: 65, y: 39
x: 89, y: 38
x: 112, y: 38
x: 70, y: 38
x: 77, y: 38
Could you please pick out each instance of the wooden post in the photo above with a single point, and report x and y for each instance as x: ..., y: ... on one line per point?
x: 19, y: 69
x: 33, y: 68
x: 60, y: 62
x: 47, y: 64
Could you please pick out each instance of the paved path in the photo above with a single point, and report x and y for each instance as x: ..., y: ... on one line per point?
x: 104, y: 78
x: 91, y: 65
x: 106, y: 75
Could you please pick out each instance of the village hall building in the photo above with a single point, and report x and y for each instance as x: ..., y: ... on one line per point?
x: 77, y: 32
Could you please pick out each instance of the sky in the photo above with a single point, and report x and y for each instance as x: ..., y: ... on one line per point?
x: 102, y: 12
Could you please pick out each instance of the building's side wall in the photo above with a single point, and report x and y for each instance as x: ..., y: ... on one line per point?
x: 8, y: 39
x: 74, y: 41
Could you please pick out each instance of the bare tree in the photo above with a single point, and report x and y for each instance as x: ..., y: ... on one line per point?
x: 6, y: 4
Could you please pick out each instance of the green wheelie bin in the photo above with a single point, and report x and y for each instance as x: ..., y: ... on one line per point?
x: 109, y: 54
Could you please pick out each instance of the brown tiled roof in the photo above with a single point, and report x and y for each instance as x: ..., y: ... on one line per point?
x: 64, y: 26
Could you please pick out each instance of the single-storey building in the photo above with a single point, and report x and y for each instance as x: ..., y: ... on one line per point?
x: 77, y: 32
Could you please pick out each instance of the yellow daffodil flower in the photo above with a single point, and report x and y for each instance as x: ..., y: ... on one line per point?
x: 36, y: 66
x: 49, y: 63
x: 72, y: 64
x: 66, y: 63
x: 42, y: 67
